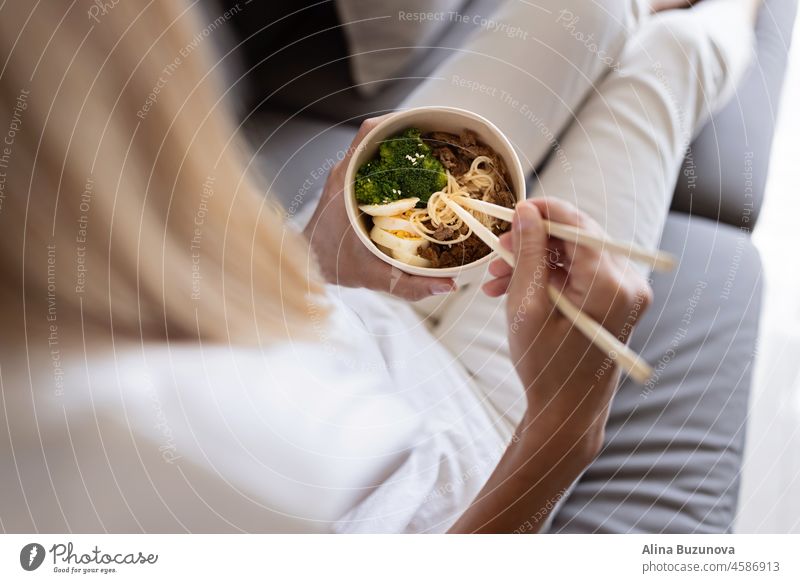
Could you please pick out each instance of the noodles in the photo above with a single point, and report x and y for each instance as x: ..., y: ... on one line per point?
x: 390, y: 186
x: 439, y: 219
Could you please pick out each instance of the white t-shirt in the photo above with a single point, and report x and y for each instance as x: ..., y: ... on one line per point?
x: 374, y: 427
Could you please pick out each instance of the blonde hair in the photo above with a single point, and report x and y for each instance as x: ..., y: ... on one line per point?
x: 124, y: 186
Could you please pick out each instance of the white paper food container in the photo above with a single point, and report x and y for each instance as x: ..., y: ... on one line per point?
x: 427, y: 119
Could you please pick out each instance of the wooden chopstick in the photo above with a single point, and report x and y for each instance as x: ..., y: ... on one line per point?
x: 491, y: 209
x: 626, y: 358
x: 482, y: 231
x: 658, y: 260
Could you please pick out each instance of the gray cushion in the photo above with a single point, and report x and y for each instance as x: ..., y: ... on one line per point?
x: 674, y: 448
x: 725, y: 172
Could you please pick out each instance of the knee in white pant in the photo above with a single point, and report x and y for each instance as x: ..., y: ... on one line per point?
x: 603, y: 27
x: 594, y: 15
x: 683, y: 47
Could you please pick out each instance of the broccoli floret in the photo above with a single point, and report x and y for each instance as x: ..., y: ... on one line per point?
x: 409, y: 143
x: 374, y: 185
x: 404, y: 168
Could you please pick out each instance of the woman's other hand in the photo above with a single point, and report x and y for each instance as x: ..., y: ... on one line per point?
x: 342, y: 256
x: 569, y: 381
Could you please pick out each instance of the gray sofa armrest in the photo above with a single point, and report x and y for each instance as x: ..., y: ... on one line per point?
x: 725, y: 170
x: 672, y: 457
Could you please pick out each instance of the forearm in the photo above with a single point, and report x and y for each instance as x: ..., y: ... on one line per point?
x: 537, y: 467
x: 569, y: 383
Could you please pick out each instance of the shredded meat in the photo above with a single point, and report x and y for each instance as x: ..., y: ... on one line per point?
x: 458, y: 254
x: 505, y: 198
x: 456, y: 153
x: 455, y: 164
x: 443, y: 233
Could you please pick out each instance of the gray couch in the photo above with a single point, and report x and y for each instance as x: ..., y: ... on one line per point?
x: 674, y: 448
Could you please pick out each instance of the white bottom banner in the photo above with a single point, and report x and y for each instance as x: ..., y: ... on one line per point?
x: 617, y: 558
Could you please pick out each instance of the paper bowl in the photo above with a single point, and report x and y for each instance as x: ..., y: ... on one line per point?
x: 427, y: 119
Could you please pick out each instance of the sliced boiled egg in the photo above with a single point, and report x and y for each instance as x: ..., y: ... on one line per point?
x: 397, y: 207
x: 395, y: 223
x: 414, y: 260
x: 398, y: 241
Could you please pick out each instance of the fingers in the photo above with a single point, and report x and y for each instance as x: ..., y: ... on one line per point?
x: 529, y: 245
x: 560, y: 211
x: 413, y: 288
x: 588, y: 276
x: 335, y: 182
x: 409, y: 287
x: 528, y: 241
x: 497, y: 287
x: 366, y: 127
x: 595, y: 280
x: 528, y: 236
x: 334, y: 185
x: 499, y: 268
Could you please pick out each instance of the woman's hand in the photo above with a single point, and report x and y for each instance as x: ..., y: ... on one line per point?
x: 569, y: 381
x: 342, y: 256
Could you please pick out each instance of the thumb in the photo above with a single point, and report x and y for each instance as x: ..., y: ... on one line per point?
x: 529, y: 244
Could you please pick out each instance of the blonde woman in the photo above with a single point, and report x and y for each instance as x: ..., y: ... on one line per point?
x: 172, y: 357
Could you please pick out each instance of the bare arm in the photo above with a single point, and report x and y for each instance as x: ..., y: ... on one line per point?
x: 569, y: 383
x: 530, y: 478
